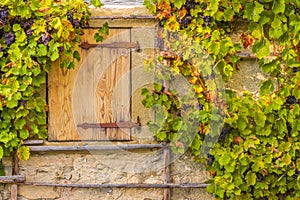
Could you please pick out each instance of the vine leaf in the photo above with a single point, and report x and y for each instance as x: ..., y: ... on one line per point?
x: 278, y: 6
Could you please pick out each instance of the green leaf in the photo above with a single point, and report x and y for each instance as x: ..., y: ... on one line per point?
x: 260, y: 118
x: 266, y: 87
x: 76, y: 55
x: 54, y: 56
x: 24, y: 133
x: 250, y: 179
x: 12, y: 103
x: 42, y: 50
x: 16, y: 27
x: 96, y: 3
x: 278, y: 6
x: 161, y: 136
x: 228, y: 14
x: 178, y: 3
x: 23, y: 153
x: 104, y: 30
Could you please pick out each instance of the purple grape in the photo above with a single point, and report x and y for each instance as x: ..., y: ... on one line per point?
x: 27, y: 24
x: 190, y: 4
x: 291, y: 100
x: 4, y: 13
x: 9, y: 38
x: 45, y: 38
x: 296, y: 174
x: 61, y: 49
x: 33, y: 58
x: 28, y: 32
x: 2, y: 21
x: 207, y: 20
x: 210, y: 159
x: 296, y: 69
x: 185, y: 21
x: 199, y: 106
x: 75, y: 23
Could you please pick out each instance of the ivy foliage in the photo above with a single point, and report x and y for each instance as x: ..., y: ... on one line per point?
x: 33, y: 35
x: 251, y: 144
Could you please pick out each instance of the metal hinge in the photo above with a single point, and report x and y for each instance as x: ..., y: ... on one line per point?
x: 127, y: 124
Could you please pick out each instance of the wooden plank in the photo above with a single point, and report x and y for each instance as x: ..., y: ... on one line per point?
x: 115, y: 63
x: 60, y: 119
x: 133, y: 185
x: 12, y: 179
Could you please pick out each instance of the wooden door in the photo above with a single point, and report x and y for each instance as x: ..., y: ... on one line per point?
x: 96, y: 92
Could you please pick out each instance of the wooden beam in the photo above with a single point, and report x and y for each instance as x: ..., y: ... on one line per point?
x: 167, y: 191
x: 15, y: 171
x: 33, y: 142
x: 95, y: 148
x: 12, y: 179
x: 141, y: 185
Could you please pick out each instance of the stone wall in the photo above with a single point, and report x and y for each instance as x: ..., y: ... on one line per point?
x: 113, y: 167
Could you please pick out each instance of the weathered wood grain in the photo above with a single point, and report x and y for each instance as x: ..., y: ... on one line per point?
x: 84, y: 94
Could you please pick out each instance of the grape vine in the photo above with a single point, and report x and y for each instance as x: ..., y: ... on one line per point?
x: 33, y: 35
x: 256, y: 155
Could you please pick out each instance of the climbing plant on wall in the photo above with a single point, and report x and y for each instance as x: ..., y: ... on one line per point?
x: 33, y: 35
x: 257, y: 153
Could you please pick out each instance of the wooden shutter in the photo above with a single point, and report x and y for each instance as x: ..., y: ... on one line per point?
x: 96, y: 92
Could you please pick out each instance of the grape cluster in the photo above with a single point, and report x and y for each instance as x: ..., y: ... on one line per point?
x: 33, y: 58
x: 3, y: 16
x: 190, y: 4
x: 291, y: 99
x: 75, y: 22
x: 27, y: 26
x: 199, y: 106
x: 185, y: 21
x: 61, y: 49
x: 296, y: 174
x: 274, y: 159
x: 207, y: 20
x: 210, y: 159
x: 45, y: 38
x: 9, y: 38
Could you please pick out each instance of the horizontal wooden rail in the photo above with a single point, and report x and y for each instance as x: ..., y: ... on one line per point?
x: 124, y: 17
x: 33, y: 142
x: 95, y: 148
x: 133, y: 185
x: 12, y: 179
